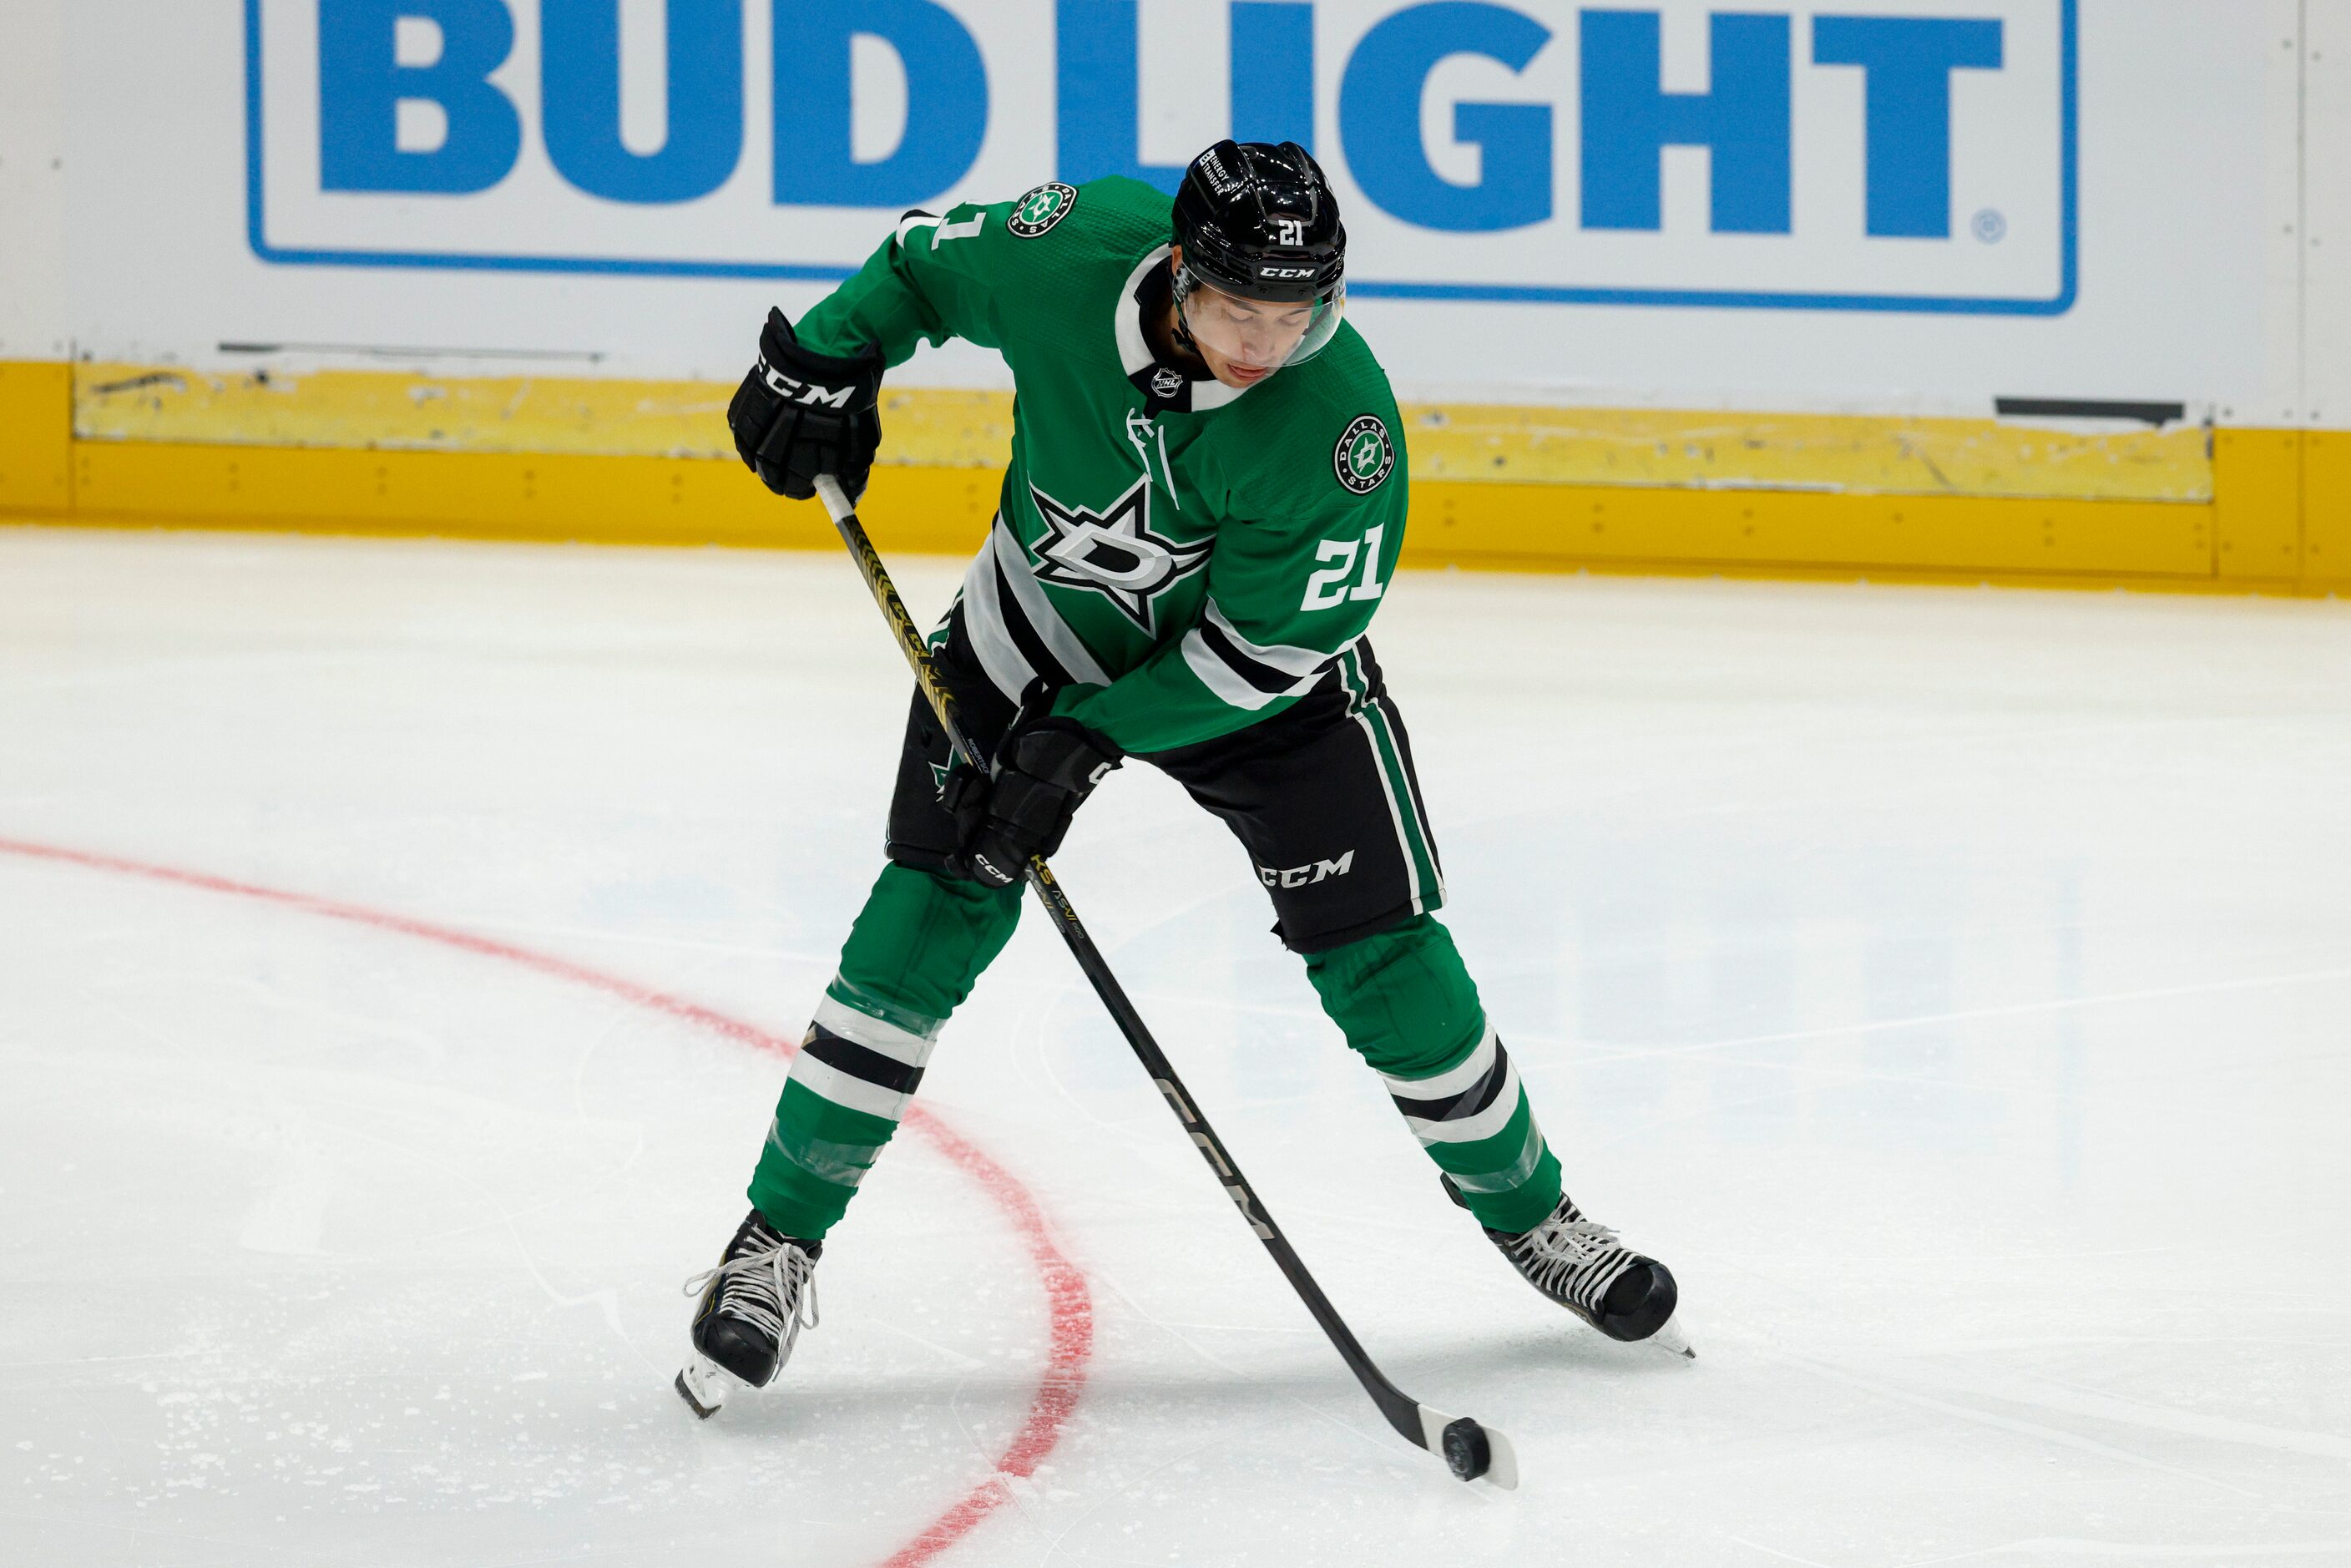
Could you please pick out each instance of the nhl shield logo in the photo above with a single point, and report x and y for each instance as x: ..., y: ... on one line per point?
x: 1166, y: 382
x: 1042, y: 208
x: 1364, y: 455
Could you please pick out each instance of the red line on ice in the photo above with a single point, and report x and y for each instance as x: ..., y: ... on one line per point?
x: 1070, y: 1305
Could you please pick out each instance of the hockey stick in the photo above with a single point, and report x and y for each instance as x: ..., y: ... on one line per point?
x: 1472, y: 1451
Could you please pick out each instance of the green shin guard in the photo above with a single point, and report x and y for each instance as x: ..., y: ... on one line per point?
x: 918, y: 946
x: 1409, y: 1006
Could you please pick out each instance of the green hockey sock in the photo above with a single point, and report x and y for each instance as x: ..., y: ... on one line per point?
x: 1409, y: 1006
x: 918, y: 947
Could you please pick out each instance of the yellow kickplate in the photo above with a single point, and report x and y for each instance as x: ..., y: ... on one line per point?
x: 654, y: 500
x: 507, y: 495
x: 1465, y: 442
x: 36, y: 437
x: 1505, y: 488
x: 389, y: 411
x: 1550, y: 527
x: 1836, y: 454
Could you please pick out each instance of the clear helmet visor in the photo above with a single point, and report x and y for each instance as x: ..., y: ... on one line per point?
x: 1258, y: 333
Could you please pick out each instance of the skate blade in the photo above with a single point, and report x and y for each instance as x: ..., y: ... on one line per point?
x: 1670, y: 1339
x: 704, y: 1385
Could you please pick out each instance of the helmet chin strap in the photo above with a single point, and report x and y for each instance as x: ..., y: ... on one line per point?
x: 1178, y: 282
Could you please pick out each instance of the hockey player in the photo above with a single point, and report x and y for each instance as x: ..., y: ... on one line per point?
x: 1205, y: 499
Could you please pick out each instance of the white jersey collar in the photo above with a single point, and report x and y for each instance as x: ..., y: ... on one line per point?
x: 1135, y: 349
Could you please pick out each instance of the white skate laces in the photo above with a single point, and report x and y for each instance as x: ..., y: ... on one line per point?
x: 772, y: 1287
x: 1570, y: 1258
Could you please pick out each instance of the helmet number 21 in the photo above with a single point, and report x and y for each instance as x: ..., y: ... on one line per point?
x: 1328, y: 588
x: 1293, y: 231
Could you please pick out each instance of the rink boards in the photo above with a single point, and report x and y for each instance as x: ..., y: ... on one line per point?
x: 1499, y: 487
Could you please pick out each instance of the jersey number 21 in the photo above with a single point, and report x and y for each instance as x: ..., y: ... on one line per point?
x: 1327, y: 589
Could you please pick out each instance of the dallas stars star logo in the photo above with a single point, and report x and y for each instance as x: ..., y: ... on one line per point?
x: 1112, y: 553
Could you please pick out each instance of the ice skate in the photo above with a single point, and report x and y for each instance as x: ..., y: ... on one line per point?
x: 754, y: 1304
x: 1582, y: 1265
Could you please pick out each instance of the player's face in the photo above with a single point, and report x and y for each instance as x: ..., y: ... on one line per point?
x: 1243, y: 340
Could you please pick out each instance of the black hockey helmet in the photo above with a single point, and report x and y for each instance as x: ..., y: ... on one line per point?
x: 1259, y: 221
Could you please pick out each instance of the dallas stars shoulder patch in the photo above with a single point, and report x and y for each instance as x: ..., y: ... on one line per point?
x: 1364, y: 455
x: 1042, y: 208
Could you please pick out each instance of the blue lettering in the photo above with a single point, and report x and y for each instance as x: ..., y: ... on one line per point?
x: 1096, y: 76
x: 1629, y: 119
x: 579, y: 69
x: 1096, y: 80
x: 361, y: 84
x: 1907, y: 63
x: 1273, y: 72
x: 947, y: 102
x: 1379, y: 120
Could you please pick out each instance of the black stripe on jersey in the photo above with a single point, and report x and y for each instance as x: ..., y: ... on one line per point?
x: 1264, y: 677
x: 1468, y: 1102
x: 1024, y: 635
x: 848, y: 1056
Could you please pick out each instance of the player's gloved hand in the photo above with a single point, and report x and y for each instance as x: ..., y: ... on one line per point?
x: 800, y: 414
x: 1044, y: 771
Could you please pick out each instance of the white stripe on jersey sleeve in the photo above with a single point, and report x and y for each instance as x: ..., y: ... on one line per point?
x: 1221, y: 678
x: 1000, y: 658
x: 1051, y: 630
x: 1281, y: 657
x: 917, y: 219
x: 1252, y: 675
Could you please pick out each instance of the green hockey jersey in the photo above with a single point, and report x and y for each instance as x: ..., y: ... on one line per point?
x: 1181, y: 558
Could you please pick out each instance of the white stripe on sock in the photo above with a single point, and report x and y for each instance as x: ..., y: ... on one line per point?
x: 830, y: 1082
x: 1469, y: 1129
x: 1453, y: 1079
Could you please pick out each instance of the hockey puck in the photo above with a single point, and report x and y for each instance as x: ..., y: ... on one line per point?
x: 1467, y: 1453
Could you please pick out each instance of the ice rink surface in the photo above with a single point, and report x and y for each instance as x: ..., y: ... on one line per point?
x: 1953, y: 986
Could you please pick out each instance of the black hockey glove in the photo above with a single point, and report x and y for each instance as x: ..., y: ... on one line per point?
x: 1044, y: 771
x: 800, y: 414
